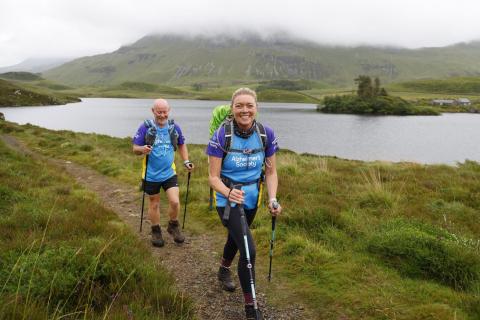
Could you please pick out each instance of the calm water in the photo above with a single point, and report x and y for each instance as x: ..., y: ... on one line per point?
x: 445, y: 139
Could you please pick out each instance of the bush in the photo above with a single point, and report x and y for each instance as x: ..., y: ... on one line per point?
x: 423, y: 251
x: 379, y: 105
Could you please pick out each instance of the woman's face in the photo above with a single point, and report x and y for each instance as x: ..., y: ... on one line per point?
x: 244, y: 109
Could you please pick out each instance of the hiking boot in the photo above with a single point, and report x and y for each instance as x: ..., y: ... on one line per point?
x: 157, y: 239
x: 225, y: 278
x: 252, y: 314
x: 173, y: 229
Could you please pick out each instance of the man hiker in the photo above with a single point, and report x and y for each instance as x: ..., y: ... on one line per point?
x: 159, y: 168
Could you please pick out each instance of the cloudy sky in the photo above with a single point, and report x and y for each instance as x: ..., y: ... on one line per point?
x: 73, y: 28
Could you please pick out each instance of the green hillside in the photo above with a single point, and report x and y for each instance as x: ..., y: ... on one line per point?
x: 22, y: 76
x: 178, y: 61
x: 456, y: 85
x: 21, y: 94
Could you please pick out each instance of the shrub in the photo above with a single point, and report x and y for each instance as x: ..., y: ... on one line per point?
x: 423, y: 251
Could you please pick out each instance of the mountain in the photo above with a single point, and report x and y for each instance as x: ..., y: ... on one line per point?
x: 35, y: 65
x: 178, y: 60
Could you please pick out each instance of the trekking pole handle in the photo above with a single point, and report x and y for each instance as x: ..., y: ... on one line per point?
x: 275, y: 204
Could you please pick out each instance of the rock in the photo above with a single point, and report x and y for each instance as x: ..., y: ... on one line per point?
x: 2, y: 116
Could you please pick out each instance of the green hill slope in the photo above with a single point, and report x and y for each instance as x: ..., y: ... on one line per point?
x: 457, y: 85
x: 176, y: 60
x: 19, y: 94
x: 21, y: 76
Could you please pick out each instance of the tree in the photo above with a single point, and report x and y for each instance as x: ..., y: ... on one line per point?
x: 376, y: 89
x: 365, y: 88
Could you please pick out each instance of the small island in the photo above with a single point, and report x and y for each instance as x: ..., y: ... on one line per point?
x: 372, y: 99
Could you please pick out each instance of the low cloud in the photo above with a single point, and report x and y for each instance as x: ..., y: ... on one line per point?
x: 55, y: 28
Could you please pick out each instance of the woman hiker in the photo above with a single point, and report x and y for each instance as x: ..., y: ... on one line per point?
x: 237, y: 152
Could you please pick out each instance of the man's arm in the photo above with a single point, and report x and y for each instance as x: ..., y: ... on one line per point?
x: 183, y: 151
x: 139, y: 150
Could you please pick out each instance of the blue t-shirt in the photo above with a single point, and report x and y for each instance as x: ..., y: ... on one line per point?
x: 241, y: 166
x: 161, y: 165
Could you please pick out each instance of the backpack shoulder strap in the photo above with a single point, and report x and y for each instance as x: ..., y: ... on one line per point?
x: 262, y: 133
x: 228, y: 130
x: 171, y: 125
x: 148, y: 123
x: 172, y: 131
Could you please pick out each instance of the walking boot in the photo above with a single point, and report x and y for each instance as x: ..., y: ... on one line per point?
x: 225, y: 278
x: 252, y: 314
x: 174, y: 230
x: 157, y: 239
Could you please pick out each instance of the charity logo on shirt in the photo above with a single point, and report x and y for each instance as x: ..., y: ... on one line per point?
x: 242, y: 161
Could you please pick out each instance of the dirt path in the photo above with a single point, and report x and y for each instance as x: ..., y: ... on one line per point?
x: 193, y: 264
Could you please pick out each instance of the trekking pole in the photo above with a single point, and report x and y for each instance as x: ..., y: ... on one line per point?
x: 186, y: 198
x: 210, y: 201
x: 143, y: 188
x: 274, y: 220
x: 243, y: 221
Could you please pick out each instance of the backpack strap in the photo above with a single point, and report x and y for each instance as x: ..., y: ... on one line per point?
x: 149, y: 123
x: 173, y: 134
x: 262, y: 133
x: 228, y: 128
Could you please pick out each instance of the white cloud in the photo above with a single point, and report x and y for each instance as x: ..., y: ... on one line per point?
x: 56, y: 28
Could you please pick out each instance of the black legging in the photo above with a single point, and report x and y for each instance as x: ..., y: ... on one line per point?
x: 235, y: 242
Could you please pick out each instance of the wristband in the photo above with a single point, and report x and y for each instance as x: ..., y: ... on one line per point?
x: 187, y: 163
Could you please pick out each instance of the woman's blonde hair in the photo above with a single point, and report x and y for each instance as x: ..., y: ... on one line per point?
x: 242, y: 91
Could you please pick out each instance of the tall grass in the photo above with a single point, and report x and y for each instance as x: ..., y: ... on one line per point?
x: 62, y: 258
x: 340, y: 246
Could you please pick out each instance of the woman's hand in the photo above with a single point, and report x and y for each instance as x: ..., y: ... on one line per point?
x: 274, y: 207
x: 236, y: 195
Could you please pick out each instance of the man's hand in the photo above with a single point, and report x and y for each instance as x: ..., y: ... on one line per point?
x: 146, y: 149
x: 188, y: 165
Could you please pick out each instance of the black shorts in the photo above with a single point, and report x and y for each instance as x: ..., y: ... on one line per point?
x: 152, y: 188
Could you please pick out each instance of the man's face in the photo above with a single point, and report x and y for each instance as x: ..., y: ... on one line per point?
x: 160, y: 112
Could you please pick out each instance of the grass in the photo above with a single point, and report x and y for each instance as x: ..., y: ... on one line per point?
x: 63, y: 255
x: 357, y: 240
x: 15, y: 93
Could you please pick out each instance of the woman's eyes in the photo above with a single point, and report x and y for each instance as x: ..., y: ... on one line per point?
x: 249, y: 106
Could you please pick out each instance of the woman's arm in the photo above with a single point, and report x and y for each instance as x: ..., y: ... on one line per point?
x: 271, y: 181
x: 215, y: 166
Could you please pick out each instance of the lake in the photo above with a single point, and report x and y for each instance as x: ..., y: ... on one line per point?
x: 426, y: 139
